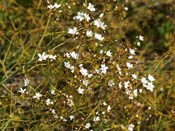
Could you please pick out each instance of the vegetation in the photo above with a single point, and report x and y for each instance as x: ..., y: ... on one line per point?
x: 83, y: 65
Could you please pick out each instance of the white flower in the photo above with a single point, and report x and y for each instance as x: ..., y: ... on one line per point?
x: 130, y: 57
x: 71, y: 117
x: 96, y: 118
x: 129, y: 65
x: 104, y: 103
x: 109, y: 53
x: 52, y: 92
x: 141, y: 38
x: 131, y: 51
x: 26, y: 82
x: 83, y: 71
x: 138, y: 43
x: 22, y: 91
x: 144, y: 81
x: 42, y: 56
x: 74, y: 55
x: 52, y: 57
x: 49, y: 102
x: 126, y: 8
x: 37, y: 95
x: 131, y: 127
x: 80, y: 90
x: 54, y: 6
x: 118, y: 67
x: 85, y: 82
x: 53, y: 111
x: 134, y: 76
x: 82, y: 16
x: 73, y: 31
x: 101, y: 15
x: 135, y: 92
x: 87, y: 17
x: 99, y: 24
x: 120, y: 85
x: 111, y: 83
x: 103, y: 69
x: 151, y: 78
x: 150, y: 86
x: 70, y: 102
x: 57, y: 5
x: 126, y: 84
x: 89, y: 33
x: 99, y: 37
x: 108, y: 108
x: 69, y: 66
x: 91, y: 7
x: 88, y: 125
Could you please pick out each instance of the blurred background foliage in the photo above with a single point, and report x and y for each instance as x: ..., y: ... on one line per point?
x: 22, y: 23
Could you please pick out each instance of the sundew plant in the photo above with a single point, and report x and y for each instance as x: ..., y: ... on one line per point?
x: 81, y: 71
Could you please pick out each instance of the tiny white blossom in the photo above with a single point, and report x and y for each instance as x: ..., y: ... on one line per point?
x: 103, y: 69
x: 129, y: 65
x: 74, y: 55
x: 120, y: 85
x: 144, y: 81
x: 22, y: 91
x: 101, y: 15
x: 108, y: 108
x: 150, y: 86
x: 111, y: 83
x: 126, y: 8
x: 49, y: 102
x: 96, y: 119
x: 131, y: 127
x: 99, y: 37
x: 151, y: 78
x: 70, y: 102
x: 131, y: 51
x: 91, y: 7
x: 52, y: 92
x: 82, y: 16
x: 130, y: 57
x: 89, y: 33
x: 53, y: 111
x: 42, y: 56
x: 71, y: 117
x: 84, y: 71
x: 109, y: 53
x: 126, y: 84
x: 80, y: 90
x: 135, y: 92
x: 99, y: 24
x: 26, y: 82
x: 69, y: 66
x: 37, y: 95
x: 134, y: 76
x: 138, y: 43
x: 73, y: 31
x: 52, y: 57
x: 118, y: 67
x: 50, y: 6
x: 88, y: 125
x: 104, y: 103
x: 57, y: 5
x: 141, y: 38
x: 85, y: 82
